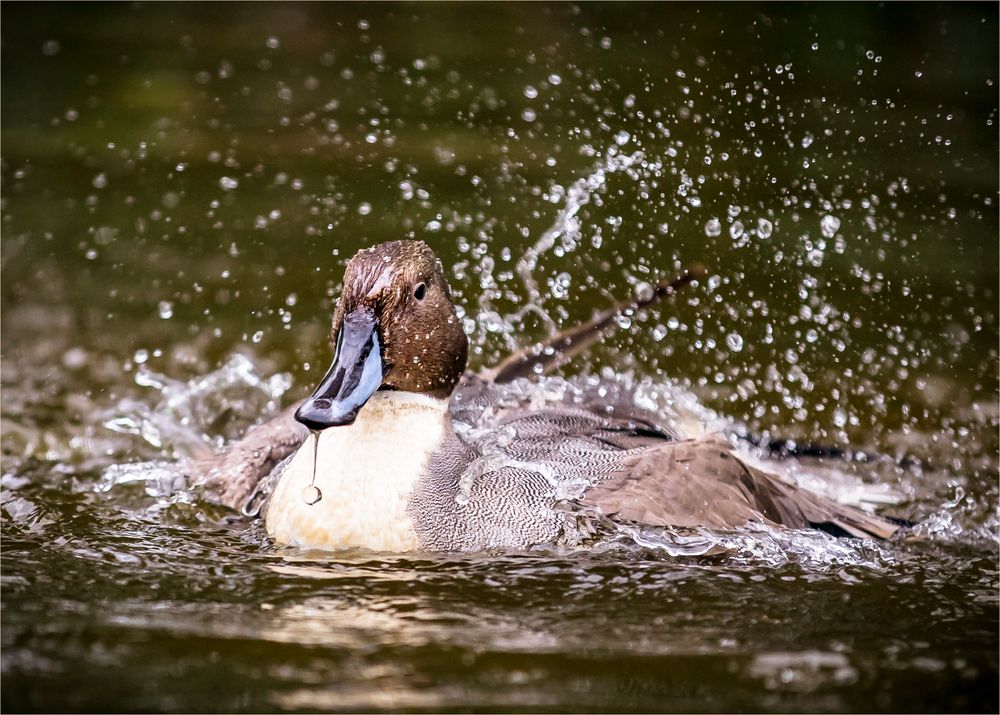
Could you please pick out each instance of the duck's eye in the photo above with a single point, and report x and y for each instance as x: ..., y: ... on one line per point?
x: 419, y: 291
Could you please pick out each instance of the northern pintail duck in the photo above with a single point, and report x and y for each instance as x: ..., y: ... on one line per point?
x: 411, y: 452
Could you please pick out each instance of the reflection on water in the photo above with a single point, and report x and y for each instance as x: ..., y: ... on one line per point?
x: 182, y: 185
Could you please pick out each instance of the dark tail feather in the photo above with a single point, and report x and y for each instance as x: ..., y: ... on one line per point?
x: 847, y: 521
x: 567, y: 344
x: 790, y: 448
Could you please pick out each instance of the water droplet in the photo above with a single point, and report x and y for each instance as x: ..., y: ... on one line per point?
x: 165, y: 309
x: 365, y: 208
x: 764, y: 228
x: 141, y: 355
x: 312, y: 495
x: 528, y: 115
x: 560, y: 286
x: 713, y: 228
x: 100, y: 181
x: 257, y: 337
x: 622, y: 138
x: 735, y: 342
x: 530, y: 92
x: 807, y: 140
x: 643, y: 291
x: 736, y: 230
x: 228, y: 183
x: 51, y: 48
x: 828, y: 226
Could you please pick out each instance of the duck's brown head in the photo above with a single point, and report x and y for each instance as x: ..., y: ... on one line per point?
x: 394, y: 327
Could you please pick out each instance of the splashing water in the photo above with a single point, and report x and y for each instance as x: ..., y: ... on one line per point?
x: 566, y: 225
x: 188, y: 411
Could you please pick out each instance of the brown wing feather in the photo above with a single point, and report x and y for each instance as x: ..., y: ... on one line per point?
x: 558, y: 349
x: 231, y: 476
x: 694, y: 483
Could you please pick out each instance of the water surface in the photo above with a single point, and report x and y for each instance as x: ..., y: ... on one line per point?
x: 182, y: 185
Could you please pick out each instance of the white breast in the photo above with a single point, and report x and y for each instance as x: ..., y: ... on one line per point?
x: 365, y: 472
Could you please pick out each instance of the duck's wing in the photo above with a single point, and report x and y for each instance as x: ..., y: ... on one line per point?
x: 547, y: 355
x: 231, y: 476
x: 701, y: 483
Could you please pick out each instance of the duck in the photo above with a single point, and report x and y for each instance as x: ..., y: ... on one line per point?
x: 400, y: 448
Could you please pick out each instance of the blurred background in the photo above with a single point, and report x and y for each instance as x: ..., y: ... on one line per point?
x: 183, y: 183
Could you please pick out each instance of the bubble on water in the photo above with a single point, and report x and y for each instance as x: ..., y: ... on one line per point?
x: 735, y: 342
x: 713, y: 228
x: 828, y: 226
x: 764, y: 228
x: 228, y: 183
x: 165, y: 309
x: 364, y: 208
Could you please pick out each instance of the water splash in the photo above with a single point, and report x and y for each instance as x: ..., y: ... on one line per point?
x: 187, y: 413
x: 756, y: 546
x: 566, y: 225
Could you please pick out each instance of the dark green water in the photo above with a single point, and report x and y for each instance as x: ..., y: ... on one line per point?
x: 183, y: 183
